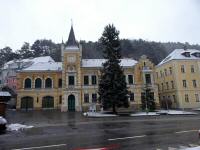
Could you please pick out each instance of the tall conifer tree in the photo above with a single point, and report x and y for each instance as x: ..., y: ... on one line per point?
x: 113, y: 91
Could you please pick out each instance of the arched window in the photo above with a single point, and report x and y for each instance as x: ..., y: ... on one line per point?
x: 59, y: 83
x: 38, y: 83
x: 48, y: 83
x: 27, y: 83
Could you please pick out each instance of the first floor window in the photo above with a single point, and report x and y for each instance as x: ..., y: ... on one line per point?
x: 59, y: 83
x: 60, y: 99
x: 130, y: 79
x: 184, y: 83
x: 27, y: 83
x: 48, y: 83
x: 197, y: 97
x: 86, y: 80
x: 172, y: 82
x: 94, y: 80
x: 194, y: 83
x: 94, y: 97
x: 186, y: 98
x: 86, y: 98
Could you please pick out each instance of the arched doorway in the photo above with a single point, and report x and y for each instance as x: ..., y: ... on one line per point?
x: 27, y: 102
x: 48, y: 102
x: 71, y: 103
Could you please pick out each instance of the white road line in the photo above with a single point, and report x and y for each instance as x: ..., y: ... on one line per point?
x: 186, y: 131
x: 130, y: 137
x: 40, y: 147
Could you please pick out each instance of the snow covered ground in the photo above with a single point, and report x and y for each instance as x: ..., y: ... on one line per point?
x: 167, y: 112
x: 98, y: 114
x: 17, y: 127
x: 193, y: 148
x: 144, y: 114
x: 176, y: 112
x: 2, y: 120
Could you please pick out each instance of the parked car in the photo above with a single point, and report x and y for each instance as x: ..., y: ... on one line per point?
x: 3, y: 123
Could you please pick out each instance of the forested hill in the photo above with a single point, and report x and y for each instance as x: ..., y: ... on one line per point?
x: 156, y: 51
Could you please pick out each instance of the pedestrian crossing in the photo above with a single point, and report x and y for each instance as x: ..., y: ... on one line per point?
x: 182, y: 147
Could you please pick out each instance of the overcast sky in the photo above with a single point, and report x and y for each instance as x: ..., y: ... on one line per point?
x: 154, y: 20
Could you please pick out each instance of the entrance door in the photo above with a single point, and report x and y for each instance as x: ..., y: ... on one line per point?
x: 27, y: 103
x: 71, y: 103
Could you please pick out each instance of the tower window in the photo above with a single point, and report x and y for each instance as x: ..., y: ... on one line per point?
x: 71, y: 80
x: 148, y: 78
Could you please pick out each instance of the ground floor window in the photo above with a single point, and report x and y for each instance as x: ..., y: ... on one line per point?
x: 131, y: 97
x: 86, y: 98
x: 197, y: 97
x: 48, y: 102
x: 27, y: 102
x: 94, y: 97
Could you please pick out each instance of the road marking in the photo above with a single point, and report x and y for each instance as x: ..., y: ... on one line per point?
x: 40, y: 147
x: 186, y: 131
x: 130, y: 137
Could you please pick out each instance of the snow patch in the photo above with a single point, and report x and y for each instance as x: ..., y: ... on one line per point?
x: 2, y: 120
x: 193, y: 148
x: 98, y: 114
x: 17, y: 127
x: 126, y: 62
x: 144, y: 114
x: 176, y: 112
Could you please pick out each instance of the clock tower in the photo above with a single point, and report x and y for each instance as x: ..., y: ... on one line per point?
x: 71, y: 74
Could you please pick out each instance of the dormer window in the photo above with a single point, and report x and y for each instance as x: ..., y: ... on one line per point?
x: 196, y: 54
x: 186, y: 54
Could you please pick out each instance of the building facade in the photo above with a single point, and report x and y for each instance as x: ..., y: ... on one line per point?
x: 178, y: 79
x: 72, y: 85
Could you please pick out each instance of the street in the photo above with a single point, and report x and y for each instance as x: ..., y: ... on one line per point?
x: 123, y: 133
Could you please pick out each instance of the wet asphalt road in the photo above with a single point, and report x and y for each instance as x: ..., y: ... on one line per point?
x: 123, y: 133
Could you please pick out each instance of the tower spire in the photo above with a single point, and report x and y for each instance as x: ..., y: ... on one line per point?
x: 71, y: 39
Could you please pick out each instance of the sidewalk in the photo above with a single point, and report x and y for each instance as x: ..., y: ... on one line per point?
x: 43, y: 118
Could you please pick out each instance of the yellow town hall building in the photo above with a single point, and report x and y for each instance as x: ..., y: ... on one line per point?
x: 72, y: 85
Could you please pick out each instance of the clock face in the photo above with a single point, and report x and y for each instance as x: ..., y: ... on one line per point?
x: 71, y: 59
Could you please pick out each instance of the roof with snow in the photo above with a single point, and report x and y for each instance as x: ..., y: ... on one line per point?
x: 181, y: 54
x: 27, y: 62
x: 127, y: 62
x: 44, y: 66
x: 86, y: 63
